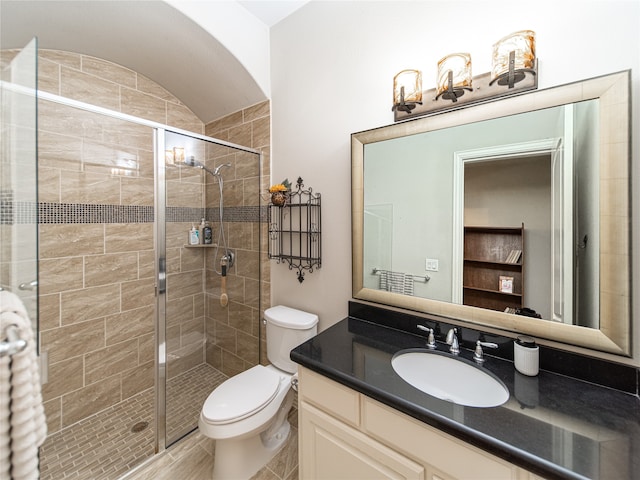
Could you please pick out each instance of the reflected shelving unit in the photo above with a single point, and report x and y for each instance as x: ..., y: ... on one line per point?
x: 295, y: 230
x: 493, y: 267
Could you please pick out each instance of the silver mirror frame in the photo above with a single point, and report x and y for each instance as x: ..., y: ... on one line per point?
x: 614, y: 334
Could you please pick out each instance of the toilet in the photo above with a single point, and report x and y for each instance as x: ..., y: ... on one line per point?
x: 247, y: 414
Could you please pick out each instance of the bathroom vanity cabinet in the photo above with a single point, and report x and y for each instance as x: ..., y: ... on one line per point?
x: 359, y: 419
x: 344, y: 434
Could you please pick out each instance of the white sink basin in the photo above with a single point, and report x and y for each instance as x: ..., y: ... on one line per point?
x: 450, y: 378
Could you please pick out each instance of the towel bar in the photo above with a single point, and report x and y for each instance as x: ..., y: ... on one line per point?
x: 14, y: 343
x: 416, y: 278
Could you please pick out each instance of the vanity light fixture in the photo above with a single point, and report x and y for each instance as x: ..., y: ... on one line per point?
x: 514, y: 71
x: 407, y: 90
x: 454, y: 76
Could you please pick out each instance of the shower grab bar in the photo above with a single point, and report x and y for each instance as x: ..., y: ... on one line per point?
x: 14, y: 344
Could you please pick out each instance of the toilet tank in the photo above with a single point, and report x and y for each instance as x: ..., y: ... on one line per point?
x: 286, y: 329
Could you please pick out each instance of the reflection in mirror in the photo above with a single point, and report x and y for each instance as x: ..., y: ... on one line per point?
x: 511, y: 171
x: 524, y: 211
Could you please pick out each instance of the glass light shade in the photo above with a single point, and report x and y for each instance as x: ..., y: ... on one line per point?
x: 411, y: 80
x: 459, y: 64
x: 178, y: 155
x: 522, y: 43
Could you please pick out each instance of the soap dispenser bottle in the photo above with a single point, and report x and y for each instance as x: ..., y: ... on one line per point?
x: 194, y: 237
x: 526, y: 355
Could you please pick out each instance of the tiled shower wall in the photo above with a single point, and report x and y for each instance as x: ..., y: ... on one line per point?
x: 232, y: 332
x: 97, y: 268
x: 97, y: 258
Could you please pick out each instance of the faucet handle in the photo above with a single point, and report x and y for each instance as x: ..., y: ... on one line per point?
x: 478, y: 355
x: 431, y: 340
x: 452, y: 339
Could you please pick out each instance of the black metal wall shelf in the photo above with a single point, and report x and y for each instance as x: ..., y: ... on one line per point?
x: 295, y: 230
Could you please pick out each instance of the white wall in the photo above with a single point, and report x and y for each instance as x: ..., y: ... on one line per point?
x: 246, y: 37
x: 332, y: 67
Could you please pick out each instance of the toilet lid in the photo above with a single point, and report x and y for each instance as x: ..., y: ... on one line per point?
x: 241, y: 396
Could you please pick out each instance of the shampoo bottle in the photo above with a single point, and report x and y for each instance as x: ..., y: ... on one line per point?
x: 208, y: 235
x: 201, y: 231
x: 194, y: 237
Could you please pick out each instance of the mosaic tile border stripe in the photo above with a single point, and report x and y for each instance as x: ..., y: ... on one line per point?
x: 89, y: 213
x: 185, y: 214
x: 12, y: 212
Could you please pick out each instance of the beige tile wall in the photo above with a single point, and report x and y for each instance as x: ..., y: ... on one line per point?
x: 97, y: 280
x: 97, y: 298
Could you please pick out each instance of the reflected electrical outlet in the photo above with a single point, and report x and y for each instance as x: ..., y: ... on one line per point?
x: 431, y: 265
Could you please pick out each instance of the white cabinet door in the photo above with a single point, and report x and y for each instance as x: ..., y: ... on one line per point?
x: 332, y: 450
x: 446, y: 455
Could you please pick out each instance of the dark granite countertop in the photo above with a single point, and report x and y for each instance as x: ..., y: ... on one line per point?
x: 552, y: 425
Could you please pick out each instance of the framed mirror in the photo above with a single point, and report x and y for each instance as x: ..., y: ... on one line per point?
x: 513, y: 214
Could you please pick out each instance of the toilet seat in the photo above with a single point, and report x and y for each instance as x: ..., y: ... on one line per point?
x: 241, y: 396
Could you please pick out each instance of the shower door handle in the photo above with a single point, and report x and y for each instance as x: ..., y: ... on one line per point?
x: 162, y: 275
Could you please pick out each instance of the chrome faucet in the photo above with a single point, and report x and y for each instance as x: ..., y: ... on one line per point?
x: 452, y: 339
x: 431, y: 340
x: 478, y: 355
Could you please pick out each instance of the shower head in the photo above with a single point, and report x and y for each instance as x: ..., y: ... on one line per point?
x: 192, y: 162
x: 219, y: 167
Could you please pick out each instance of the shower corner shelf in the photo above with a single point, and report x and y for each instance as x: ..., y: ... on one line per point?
x: 294, y: 231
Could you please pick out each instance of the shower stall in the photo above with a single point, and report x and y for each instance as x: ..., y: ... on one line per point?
x: 134, y: 327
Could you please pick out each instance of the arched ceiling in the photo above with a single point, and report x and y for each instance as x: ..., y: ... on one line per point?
x: 150, y: 37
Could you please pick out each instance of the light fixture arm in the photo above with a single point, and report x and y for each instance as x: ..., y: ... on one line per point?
x: 451, y: 93
x: 514, y: 75
x: 403, y: 106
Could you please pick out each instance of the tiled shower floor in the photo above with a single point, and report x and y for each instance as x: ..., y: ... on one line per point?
x: 105, y: 447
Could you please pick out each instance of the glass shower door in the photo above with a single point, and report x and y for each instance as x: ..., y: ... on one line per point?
x: 18, y: 177
x: 212, y: 298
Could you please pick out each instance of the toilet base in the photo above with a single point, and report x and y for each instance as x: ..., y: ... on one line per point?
x: 241, y: 459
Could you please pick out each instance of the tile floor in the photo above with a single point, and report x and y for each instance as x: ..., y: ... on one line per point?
x: 104, y: 447
x: 192, y: 459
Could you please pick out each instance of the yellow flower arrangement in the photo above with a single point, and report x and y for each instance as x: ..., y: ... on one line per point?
x: 283, y: 186
x: 279, y: 193
x: 277, y: 188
